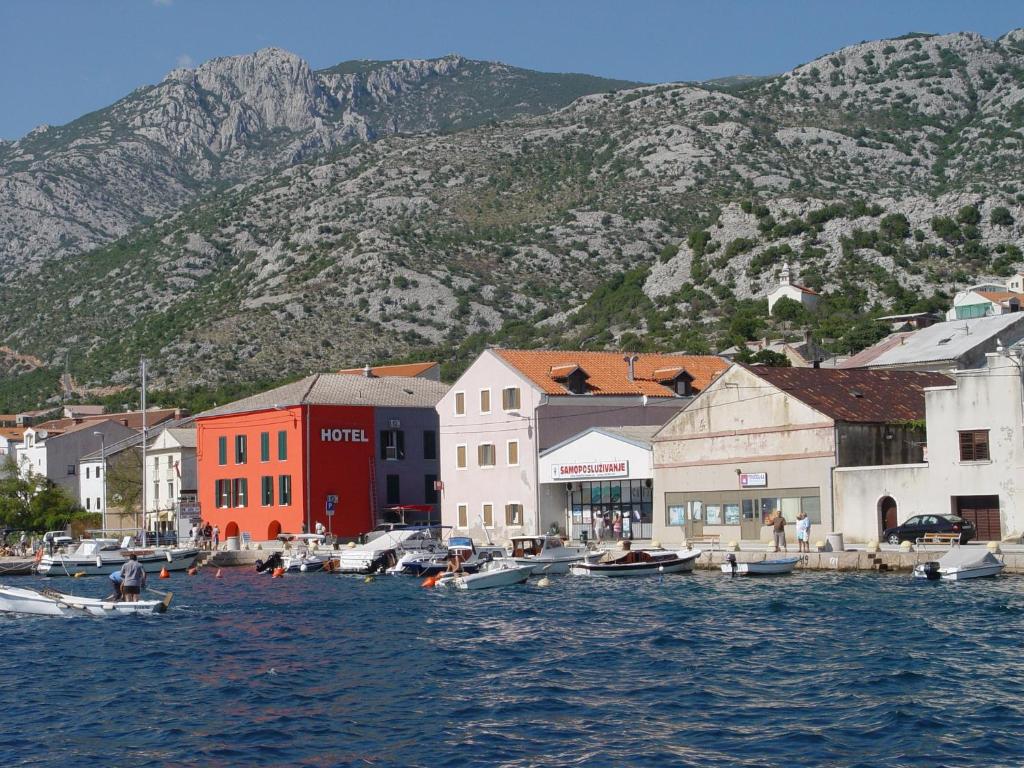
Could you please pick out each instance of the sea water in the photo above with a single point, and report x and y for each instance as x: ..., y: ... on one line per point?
x: 689, y: 670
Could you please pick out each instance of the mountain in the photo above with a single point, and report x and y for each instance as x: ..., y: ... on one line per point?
x: 68, y: 189
x: 655, y: 217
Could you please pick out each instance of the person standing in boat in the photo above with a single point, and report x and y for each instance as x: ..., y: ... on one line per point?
x: 779, y: 531
x: 133, y: 579
x: 803, y: 532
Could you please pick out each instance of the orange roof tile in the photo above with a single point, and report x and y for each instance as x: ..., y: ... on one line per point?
x: 12, y: 433
x: 607, y: 371
x: 402, y: 369
x: 1000, y: 296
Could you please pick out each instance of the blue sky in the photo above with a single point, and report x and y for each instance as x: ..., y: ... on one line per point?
x: 62, y: 58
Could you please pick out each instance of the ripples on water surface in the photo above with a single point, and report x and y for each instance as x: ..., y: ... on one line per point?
x: 701, y: 670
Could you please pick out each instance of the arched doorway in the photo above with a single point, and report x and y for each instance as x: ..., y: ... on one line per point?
x: 888, y: 512
x: 231, y: 529
x: 273, y: 530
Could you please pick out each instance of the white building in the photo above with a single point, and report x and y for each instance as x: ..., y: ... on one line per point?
x: 790, y: 290
x: 987, y: 299
x: 510, y: 405
x: 974, y: 466
x: 171, y: 480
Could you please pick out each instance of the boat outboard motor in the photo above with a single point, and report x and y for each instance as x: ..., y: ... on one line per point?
x: 731, y: 559
x: 270, y: 564
x: 930, y: 570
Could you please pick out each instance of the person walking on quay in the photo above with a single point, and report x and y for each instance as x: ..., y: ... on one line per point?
x: 617, y: 526
x: 803, y: 532
x: 779, y: 531
x: 133, y: 579
x: 599, y: 526
x: 207, y: 536
x: 216, y: 537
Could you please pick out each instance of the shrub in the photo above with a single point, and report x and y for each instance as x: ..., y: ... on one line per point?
x: 1001, y: 217
x: 969, y: 214
x: 894, y: 227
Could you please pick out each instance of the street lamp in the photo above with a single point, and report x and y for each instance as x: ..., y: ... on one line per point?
x: 103, y: 478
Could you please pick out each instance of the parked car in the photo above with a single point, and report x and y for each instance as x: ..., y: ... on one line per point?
x: 918, y: 526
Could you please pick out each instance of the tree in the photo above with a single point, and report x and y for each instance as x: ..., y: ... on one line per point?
x: 969, y: 214
x: 894, y: 227
x: 31, y: 502
x: 1001, y: 217
x: 124, y: 481
x: 786, y: 309
x: 765, y: 357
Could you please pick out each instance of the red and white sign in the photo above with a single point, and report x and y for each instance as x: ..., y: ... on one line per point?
x: 754, y: 480
x: 589, y: 469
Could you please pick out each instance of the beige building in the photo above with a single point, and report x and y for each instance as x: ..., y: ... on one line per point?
x: 761, y: 440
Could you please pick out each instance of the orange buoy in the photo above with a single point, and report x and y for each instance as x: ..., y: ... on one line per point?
x: 164, y: 573
x: 218, y: 574
x: 192, y: 571
x: 427, y: 582
x: 278, y: 572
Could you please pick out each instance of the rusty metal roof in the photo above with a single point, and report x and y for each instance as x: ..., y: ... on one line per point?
x: 857, y: 395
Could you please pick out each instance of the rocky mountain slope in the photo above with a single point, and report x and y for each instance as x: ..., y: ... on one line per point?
x: 68, y: 189
x: 887, y: 173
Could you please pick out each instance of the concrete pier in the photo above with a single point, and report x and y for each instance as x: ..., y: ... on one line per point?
x: 854, y: 560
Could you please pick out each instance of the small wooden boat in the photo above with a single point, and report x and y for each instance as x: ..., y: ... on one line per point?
x: 497, y: 573
x: 48, y: 602
x: 641, y: 562
x: 763, y: 568
x: 958, y: 564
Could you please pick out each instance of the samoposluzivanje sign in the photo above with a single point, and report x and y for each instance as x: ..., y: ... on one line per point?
x: 590, y: 469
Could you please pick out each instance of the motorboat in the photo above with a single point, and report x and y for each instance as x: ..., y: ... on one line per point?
x: 763, y: 568
x: 641, y: 562
x: 303, y: 557
x: 960, y: 563
x: 498, y: 572
x: 382, y: 549
x: 99, y: 557
x: 462, y: 551
x: 422, y: 556
x: 549, y: 554
x: 48, y: 602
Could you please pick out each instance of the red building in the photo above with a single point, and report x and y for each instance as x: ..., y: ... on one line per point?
x: 282, y: 459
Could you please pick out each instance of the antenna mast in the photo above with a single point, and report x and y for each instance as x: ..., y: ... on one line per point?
x: 145, y: 438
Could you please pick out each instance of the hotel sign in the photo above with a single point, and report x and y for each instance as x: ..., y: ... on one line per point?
x: 754, y: 480
x: 590, y: 469
x: 343, y: 436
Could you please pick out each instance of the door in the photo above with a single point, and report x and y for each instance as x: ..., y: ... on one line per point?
x: 750, y: 520
x: 695, y: 525
x: 889, y: 512
x: 983, y: 511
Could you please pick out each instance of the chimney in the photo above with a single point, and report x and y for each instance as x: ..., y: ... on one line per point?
x: 631, y: 362
x: 368, y: 371
x: 807, y: 338
x: 817, y: 363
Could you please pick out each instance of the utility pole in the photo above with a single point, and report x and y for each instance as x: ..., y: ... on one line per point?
x: 145, y: 437
x: 103, y: 478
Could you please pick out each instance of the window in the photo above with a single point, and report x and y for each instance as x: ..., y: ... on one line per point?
x: 87, y: 501
x: 241, y: 492
x: 240, y: 449
x: 485, y: 401
x: 392, y: 444
x: 394, y: 489
x: 485, y: 454
x: 429, y: 444
x: 512, y: 453
x: 510, y: 399
x: 974, y: 445
x: 267, y: 491
x: 460, y: 403
x: 156, y: 490
x: 170, y: 490
x: 264, y: 446
x: 98, y: 502
x: 87, y: 477
x: 282, y: 445
x: 223, y: 493
x: 463, y: 514
x: 488, y: 510
x: 284, y: 490
x: 71, y: 469
x: 222, y: 450
x: 576, y: 382
x: 429, y: 491
x: 513, y: 514
x: 460, y: 457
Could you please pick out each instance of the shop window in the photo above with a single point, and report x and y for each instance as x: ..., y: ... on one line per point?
x: 460, y: 403
x: 488, y: 515
x: 713, y: 514
x: 241, y: 492
x: 512, y: 453
x: 790, y: 509
x: 222, y: 451
x: 463, y: 515
x: 429, y: 444
x: 429, y: 491
x: 267, y: 491
x: 485, y: 401
x: 394, y: 489
x: 676, y: 514
x: 264, y: 446
x: 392, y: 444
x: 513, y: 514
x: 240, y: 449
x: 510, y: 399
x: 974, y: 445
x: 731, y: 514
x: 460, y: 457
x: 769, y: 506
x: 284, y: 490
x: 282, y: 445
x: 811, y: 506
x: 485, y: 455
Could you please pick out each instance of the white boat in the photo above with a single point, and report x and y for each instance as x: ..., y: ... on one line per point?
x: 383, y: 549
x: 762, y: 568
x: 303, y: 558
x: 502, y: 572
x: 960, y: 563
x: 549, y: 554
x: 51, y: 603
x: 99, y: 557
x: 641, y: 562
